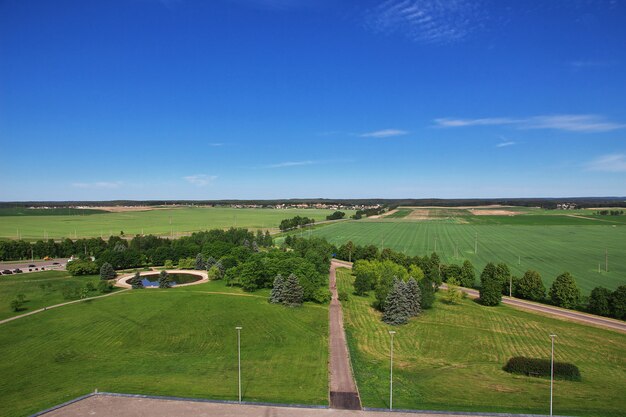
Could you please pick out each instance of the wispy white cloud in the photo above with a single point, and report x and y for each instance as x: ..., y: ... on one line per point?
x: 608, y: 163
x: 568, y: 122
x: 292, y: 164
x: 216, y: 144
x: 505, y: 144
x: 427, y: 21
x: 200, y: 180
x: 97, y: 184
x: 385, y: 133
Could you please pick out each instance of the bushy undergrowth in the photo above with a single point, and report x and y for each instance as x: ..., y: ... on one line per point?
x: 541, y: 367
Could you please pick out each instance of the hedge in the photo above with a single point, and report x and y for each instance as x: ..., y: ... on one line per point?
x: 541, y: 367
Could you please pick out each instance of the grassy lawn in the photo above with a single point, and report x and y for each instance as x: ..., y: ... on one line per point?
x: 160, y: 222
x: 40, y: 288
x: 550, y: 250
x: 451, y: 358
x: 177, y: 342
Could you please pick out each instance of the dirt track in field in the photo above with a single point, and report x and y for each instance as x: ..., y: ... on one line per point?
x: 343, y: 391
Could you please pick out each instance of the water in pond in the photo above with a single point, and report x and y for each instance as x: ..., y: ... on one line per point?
x: 152, y: 280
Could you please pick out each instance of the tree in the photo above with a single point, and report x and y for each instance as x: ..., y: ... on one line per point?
x: 107, y: 272
x: 137, y: 282
x: 530, y: 287
x: 600, y: 301
x: 292, y: 293
x: 564, y: 292
x: 490, y: 286
x: 200, y: 265
x: 503, y: 274
x: 453, y: 295
x: 164, y: 280
x: 618, y: 303
x: 397, y: 310
x: 18, y: 302
x: 468, y: 275
x: 81, y: 267
x: 276, y: 296
x: 415, y: 297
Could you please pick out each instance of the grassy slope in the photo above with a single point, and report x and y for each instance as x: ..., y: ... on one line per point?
x: 549, y: 250
x: 450, y: 358
x: 37, y: 297
x: 179, y: 342
x: 183, y: 220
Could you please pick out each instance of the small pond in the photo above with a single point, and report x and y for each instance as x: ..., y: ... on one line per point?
x: 152, y: 280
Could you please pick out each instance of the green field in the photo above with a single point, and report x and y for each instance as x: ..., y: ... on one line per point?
x: 550, y: 250
x: 164, y: 222
x: 451, y: 358
x: 41, y: 289
x: 176, y: 342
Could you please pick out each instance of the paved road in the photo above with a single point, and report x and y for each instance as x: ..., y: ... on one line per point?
x: 549, y: 310
x: 343, y: 392
x: 23, y: 265
x: 107, y: 406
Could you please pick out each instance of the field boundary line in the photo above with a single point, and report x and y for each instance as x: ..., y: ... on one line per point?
x: 30, y: 313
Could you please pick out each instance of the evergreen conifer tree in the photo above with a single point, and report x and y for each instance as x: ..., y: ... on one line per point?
x: 164, y: 280
x: 397, y: 305
x: 200, y: 265
x: 293, y: 294
x: 490, y: 286
x: 415, y: 297
x: 106, y: 271
x: 276, y: 296
x: 136, y: 283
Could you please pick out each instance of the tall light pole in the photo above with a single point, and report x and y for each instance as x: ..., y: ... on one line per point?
x: 391, y: 332
x: 552, y: 336
x: 239, y: 357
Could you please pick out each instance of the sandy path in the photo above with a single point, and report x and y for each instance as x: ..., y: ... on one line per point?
x: 548, y: 310
x: 343, y: 391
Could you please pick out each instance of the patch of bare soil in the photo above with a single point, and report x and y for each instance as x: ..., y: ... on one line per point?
x: 419, y: 214
x: 494, y: 212
x: 121, y: 209
x: 389, y: 213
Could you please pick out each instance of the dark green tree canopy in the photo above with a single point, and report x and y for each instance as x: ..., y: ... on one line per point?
x: 530, y: 287
x: 564, y: 292
x: 490, y: 286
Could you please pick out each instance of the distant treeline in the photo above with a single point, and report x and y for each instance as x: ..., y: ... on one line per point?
x: 548, y: 203
x: 610, y: 212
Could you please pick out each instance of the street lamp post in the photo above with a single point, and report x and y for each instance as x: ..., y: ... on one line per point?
x: 552, y: 336
x: 391, y: 333
x: 239, y: 357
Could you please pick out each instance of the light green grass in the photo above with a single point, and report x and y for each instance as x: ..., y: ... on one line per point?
x: 176, y: 342
x: 549, y: 250
x: 41, y: 289
x: 451, y: 358
x: 175, y: 222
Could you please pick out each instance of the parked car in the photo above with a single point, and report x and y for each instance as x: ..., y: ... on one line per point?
x: 55, y: 263
x: 7, y: 272
x: 17, y: 271
x: 32, y: 265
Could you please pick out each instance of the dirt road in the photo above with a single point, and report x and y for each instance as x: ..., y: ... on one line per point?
x: 545, y: 309
x: 343, y: 391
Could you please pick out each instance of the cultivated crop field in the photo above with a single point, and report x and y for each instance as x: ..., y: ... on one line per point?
x: 550, y: 250
x: 176, y: 342
x: 163, y: 222
x: 451, y: 358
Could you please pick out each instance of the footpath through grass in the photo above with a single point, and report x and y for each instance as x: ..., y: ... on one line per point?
x: 176, y: 342
x: 451, y: 358
x: 551, y: 250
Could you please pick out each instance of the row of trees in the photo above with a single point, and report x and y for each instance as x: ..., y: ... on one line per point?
x: 294, y: 223
x: 369, y: 212
x: 124, y: 253
x: 338, y: 215
x: 610, y: 212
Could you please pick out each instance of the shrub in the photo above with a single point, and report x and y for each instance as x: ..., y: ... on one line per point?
x: 18, y: 302
x: 169, y: 264
x: 322, y: 295
x: 600, y: 301
x: 105, y: 287
x: 82, y: 267
x: 453, y: 294
x: 186, y: 263
x: 541, y: 367
x: 344, y: 296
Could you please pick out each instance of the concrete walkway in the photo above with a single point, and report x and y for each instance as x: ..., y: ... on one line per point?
x: 343, y: 391
x: 127, y: 406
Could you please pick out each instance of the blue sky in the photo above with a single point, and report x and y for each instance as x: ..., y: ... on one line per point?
x: 147, y: 99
